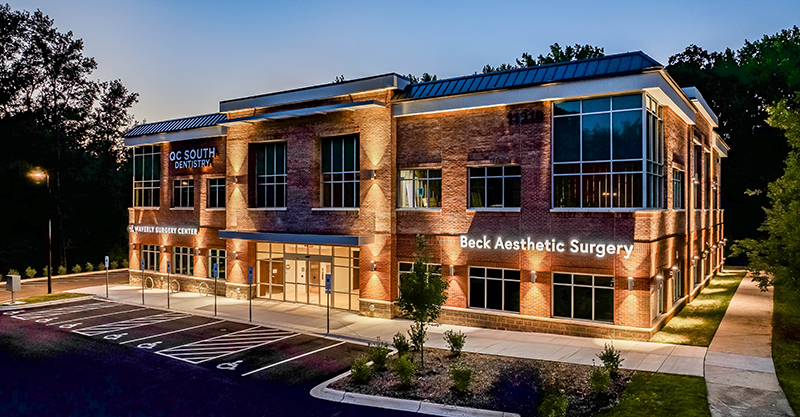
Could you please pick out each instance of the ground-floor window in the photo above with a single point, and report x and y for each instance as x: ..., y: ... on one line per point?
x: 405, y: 268
x: 677, y: 285
x: 578, y: 296
x: 660, y: 304
x: 698, y: 272
x: 183, y: 259
x: 494, y: 289
x: 150, y: 257
x: 216, y: 257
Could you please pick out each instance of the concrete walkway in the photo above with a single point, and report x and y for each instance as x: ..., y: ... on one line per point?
x: 644, y: 356
x: 739, y: 371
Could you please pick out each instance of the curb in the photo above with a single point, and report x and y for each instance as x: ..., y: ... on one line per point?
x: 55, y: 277
x: 45, y: 303
x: 322, y: 392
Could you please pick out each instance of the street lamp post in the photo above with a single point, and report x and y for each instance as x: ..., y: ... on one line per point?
x: 39, y: 175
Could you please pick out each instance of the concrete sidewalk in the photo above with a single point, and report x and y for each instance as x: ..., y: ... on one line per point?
x: 644, y: 356
x: 739, y: 371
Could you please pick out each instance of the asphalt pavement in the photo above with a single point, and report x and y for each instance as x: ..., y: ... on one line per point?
x: 38, y: 286
x: 102, y: 358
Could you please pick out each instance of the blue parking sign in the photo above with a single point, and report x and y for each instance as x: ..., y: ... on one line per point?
x: 250, y: 275
x: 142, y: 264
x: 168, y: 265
x: 327, y: 283
x: 216, y: 270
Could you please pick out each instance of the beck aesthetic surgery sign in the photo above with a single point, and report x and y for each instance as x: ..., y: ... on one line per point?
x: 172, y: 230
x: 599, y: 250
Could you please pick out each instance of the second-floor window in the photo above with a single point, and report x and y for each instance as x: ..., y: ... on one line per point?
x: 146, y: 176
x: 183, y: 193
x: 696, y: 175
x: 341, y: 171
x: 420, y: 188
x: 494, y: 187
x: 271, y: 175
x: 677, y: 189
x: 216, y: 193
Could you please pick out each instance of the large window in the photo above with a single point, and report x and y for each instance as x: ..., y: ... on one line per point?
x: 677, y: 189
x: 150, y: 257
x: 406, y: 267
x: 146, y: 176
x: 588, y: 297
x: 698, y: 168
x: 600, y: 148
x: 271, y: 175
x: 494, y: 187
x: 216, y: 257
x: 340, y: 171
x: 183, y: 193
x: 183, y: 259
x: 494, y: 289
x: 420, y: 188
x: 707, y: 176
x: 216, y: 193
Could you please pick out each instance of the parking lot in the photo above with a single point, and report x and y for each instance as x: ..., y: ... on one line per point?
x: 158, y: 346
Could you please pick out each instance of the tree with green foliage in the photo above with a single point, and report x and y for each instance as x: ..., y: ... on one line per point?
x: 776, y: 258
x: 556, y: 54
x: 422, y: 292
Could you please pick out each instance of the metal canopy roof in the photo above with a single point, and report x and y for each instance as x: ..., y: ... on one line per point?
x: 607, y: 66
x: 304, y: 112
x: 176, y: 124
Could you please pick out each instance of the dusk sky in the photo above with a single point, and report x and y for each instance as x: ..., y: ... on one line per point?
x: 183, y: 57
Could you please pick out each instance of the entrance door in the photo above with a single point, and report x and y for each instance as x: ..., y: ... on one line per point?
x: 305, y: 278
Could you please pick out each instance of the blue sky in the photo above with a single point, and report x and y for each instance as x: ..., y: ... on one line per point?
x: 183, y: 57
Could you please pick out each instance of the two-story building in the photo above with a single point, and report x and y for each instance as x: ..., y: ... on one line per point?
x: 577, y: 198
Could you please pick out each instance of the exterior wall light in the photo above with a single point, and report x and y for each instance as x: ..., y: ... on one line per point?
x: 234, y: 180
x: 196, y: 251
x: 133, y: 246
x: 371, y: 174
x: 533, y: 277
x: 452, y: 270
x: 163, y: 248
x: 235, y: 255
x: 630, y: 283
x: 372, y: 266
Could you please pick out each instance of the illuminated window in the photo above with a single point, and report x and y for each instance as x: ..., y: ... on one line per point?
x: 150, y: 257
x: 183, y: 193
x: 420, y: 188
x: 588, y: 297
x: 146, y: 176
x: 494, y: 187
x: 608, y: 152
x: 271, y: 175
x: 216, y: 257
x: 216, y: 193
x: 183, y: 260
x: 340, y: 171
x: 494, y: 289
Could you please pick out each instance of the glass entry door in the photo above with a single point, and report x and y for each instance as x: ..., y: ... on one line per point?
x: 305, y: 278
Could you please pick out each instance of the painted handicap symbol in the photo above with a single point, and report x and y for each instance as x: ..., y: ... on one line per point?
x: 69, y: 326
x: 114, y: 336
x: 148, y: 345
x: 46, y: 320
x: 229, y: 366
x: 11, y: 313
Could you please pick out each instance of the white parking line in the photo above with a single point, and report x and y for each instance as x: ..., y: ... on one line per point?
x: 130, y: 324
x: 292, y: 358
x: 99, y: 315
x: 64, y: 310
x: 176, y: 331
x: 217, y: 347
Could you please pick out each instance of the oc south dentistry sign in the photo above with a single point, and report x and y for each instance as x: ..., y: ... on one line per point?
x: 193, y: 158
x: 599, y: 250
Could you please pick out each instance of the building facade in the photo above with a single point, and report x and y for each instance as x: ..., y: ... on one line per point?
x: 575, y: 198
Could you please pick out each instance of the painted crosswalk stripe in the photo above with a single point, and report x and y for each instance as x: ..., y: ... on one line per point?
x: 130, y: 324
x: 217, y: 347
x: 64, y: 310
x: 292, y: 358
x: 175, y: 331
x: 99, y: 315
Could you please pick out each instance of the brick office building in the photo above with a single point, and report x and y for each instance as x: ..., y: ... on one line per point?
x: 578, y: 198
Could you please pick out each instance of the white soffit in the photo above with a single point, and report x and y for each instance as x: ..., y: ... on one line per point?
x: 654, y: 83
x: 201, y: 133
x: 721, y: 146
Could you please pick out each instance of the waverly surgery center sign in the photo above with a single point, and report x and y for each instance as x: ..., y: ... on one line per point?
x: 599, y: 250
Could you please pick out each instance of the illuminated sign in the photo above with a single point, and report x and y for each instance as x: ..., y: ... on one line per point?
x: 599, y: 250
x: 193, y: 158
x: 172, y: 230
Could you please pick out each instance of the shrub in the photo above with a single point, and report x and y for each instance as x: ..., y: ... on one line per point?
x: 30, y: 272
x: 455, y: 341
x: 461, y: 376
x: 76, y: 269
x: 360, y: 372
x: 611, y: 359
x: 44, y: 271
x: 101, y: 266
x: 89, y: 267
x: 400, y: 343
x: 379, y: 355
x: 600, y: 380
x: 13, y: 272
x: 554, y: 405
x: 113, y: 265
x: 124, y: 263
x: 404, y: 371
x: 417, y: 335
x: 62, y: 270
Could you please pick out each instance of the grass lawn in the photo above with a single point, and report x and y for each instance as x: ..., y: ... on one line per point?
x: 52, y: 297
x: 699, y: 320
x: 653, y: 395
x: 786, y: 342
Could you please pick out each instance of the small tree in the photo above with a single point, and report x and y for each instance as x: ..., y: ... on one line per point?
x: 30, y: 272
x: 422, y: 293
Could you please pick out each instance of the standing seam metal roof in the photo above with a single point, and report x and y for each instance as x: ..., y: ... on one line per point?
x: 193, y: 122
x: 607, y: 66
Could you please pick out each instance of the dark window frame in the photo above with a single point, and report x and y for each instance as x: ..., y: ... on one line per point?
x: 593, y: 287
x: 485, y: 279
x: 150, y: 255
x: 183, y: 260
x: 507, y: 181
x: 147, y: 176
x: 217, y: 256
x: 183, y: 193
x: 678, y: 178
x: 340, y: 178
x: 271, y: 177
x: 433, y: 176
x: 215, y: 195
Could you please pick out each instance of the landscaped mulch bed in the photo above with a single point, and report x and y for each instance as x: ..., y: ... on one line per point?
x: 498, y: 383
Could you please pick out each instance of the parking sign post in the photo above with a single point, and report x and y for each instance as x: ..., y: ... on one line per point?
x: 250, y: 289
x: 169, y: 283
x: 142, y: 280
x: 328, y: 295
x: 216, y: 274
x: 106, y: 276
